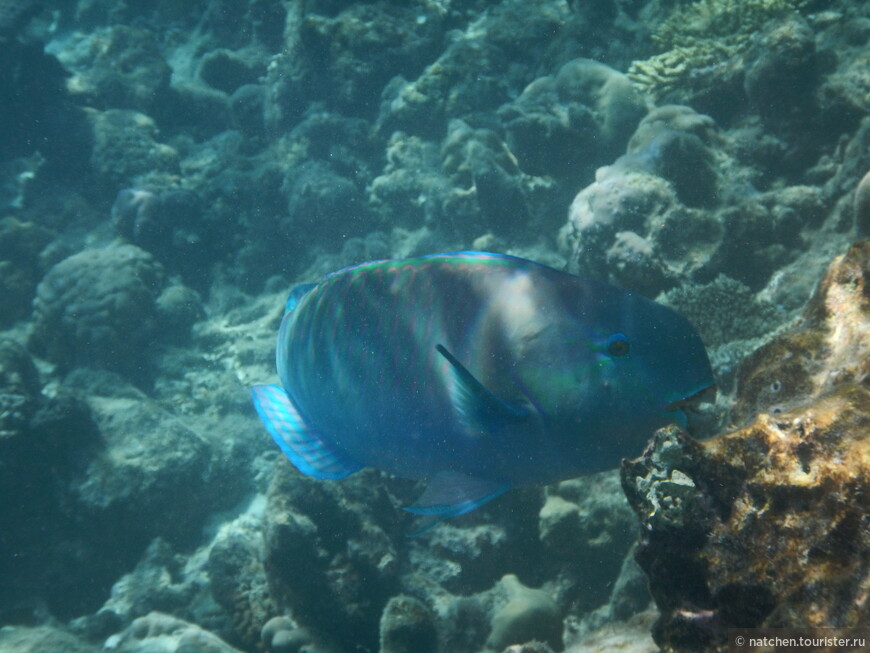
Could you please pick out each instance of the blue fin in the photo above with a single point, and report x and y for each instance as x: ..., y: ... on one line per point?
x: 478, y: 407
x: 678, y: 417
x: 449, y: 494
x: 296, y: 294
x: 304, y: 447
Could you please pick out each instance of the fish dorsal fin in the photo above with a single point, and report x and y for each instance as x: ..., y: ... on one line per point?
x: 296, y: 295
x: 479, y: 408
x: 449, y: 494
x: 300, y: 443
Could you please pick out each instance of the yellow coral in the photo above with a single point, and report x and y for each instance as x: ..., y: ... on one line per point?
x: 707, y: 19
x: 703, y: 40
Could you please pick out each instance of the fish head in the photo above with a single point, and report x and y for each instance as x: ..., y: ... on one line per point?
x: 606, y: 363
x: 656, y: 356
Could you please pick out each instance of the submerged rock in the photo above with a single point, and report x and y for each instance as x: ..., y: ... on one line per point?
x: 769, y: 525
x: 330, y: 553
x: 529, y: 614
x: 576, y: 119
x: 126, y: 148
x: 20, y: 247
x: 162, y: 632
x: 45, y: 445
x: 118, y: 66
x: 43, y: 639
x: 407, y: 626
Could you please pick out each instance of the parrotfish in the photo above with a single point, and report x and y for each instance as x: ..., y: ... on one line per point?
x: 474, y: 372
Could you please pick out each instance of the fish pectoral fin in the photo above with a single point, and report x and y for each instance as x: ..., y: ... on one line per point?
x: 300, y: 443
x: 449, y: 494
x: 479, y: 408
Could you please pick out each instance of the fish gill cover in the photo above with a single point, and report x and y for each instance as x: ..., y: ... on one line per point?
x: 168, y: 171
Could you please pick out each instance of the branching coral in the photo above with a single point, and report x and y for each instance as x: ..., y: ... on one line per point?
x: 703, y: 41
x: 720, y: 19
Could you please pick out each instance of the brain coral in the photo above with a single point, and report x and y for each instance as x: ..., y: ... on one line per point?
x: 97, y: 308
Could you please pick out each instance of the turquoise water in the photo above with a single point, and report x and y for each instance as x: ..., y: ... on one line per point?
x: 169, y: 171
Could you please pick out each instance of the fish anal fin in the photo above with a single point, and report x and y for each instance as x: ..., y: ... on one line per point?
x: 449, y: 494
x: 479, y: 408
x: 300, y: 443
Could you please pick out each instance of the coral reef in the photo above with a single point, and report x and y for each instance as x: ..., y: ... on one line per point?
x: 476, y: 72
x: 723, y: 310
x: 529, y: 615
x: 119, y: 67
x: 110, y: 473
x: 172, y: 635
x: 349, y: 57
x: 407, y: 626
x: 328, y: 560
x: 20, y: 246
x: 661, y: 216
x: 42, y: 639
x: 767, y: 525
x: 732, y: 321
x: 704, y: 43
x: 125, y: 148
x: 170, y: 225
x: 168, y: 170
x: 630, y: 636
x: 15, y: 14
x: 325, y: 556
x: 585, y: 519
x: 631, y: 226
x: 36, y: 113
x: 781, y: 62
x: 45, y: 446
x: 97, y: 308
x: 572, y: 122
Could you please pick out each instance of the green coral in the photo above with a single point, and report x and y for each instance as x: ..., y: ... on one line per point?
x: 703, y: 42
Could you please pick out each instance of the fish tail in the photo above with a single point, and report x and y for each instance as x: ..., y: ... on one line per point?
x: 300, y: 443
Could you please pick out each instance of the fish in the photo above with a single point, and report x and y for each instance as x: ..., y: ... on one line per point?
x: 474, y: 372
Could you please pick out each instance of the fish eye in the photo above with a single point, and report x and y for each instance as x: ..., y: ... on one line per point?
x: 617, y: 345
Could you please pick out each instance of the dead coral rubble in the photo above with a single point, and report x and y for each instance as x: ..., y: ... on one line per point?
x: 770, y: 525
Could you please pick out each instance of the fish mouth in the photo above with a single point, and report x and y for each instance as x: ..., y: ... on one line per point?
x: 692, y: 402
x: 689, y: 411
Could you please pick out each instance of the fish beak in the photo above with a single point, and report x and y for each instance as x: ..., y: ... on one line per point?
x: 692, y: 402
x: 689, y: 412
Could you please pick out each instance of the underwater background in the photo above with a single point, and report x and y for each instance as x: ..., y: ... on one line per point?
x: 169, y: 170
